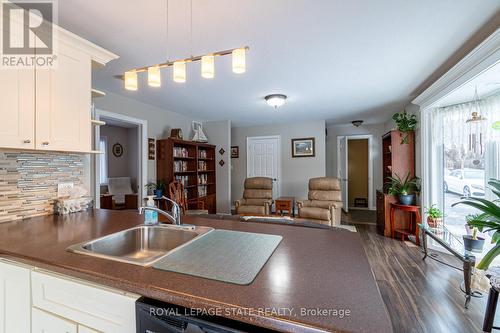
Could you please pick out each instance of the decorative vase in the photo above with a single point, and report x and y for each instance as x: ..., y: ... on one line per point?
x: 406, y: 199
x: 473, y: 245
x: 159, y: 193
x: 436, y: 222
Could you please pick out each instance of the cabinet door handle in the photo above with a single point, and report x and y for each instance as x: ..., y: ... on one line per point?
x: 27, y: 141
x: 45, y: 143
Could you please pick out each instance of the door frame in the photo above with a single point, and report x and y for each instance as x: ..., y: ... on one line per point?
x: 142, y: 130
x: 371, y: 194
x: 278, y: 137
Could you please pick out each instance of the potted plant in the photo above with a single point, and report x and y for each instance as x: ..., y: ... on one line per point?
x: 434, y: 217
x: 405, y: 123
x: 157, y: 188
x: 402, y: 188
x: 488, y: 220
x: 472, y: 242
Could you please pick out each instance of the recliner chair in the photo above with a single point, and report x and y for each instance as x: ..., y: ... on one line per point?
x: 257, y: 197
x: 325, y: 201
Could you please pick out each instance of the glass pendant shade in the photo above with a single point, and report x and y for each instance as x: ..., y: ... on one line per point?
x: 131, y: 80
x: 239, y: 61
x: 208, y: 66
x: 179, y: 73
x: 154, y: 76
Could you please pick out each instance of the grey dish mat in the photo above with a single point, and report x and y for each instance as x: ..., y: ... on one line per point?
x: 223, y: 255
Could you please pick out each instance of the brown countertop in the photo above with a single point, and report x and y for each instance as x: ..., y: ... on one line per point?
x: 311, y: 270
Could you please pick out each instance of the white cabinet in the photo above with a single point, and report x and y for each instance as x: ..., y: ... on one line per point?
x: 17, y: 107
x: 83, y: 329
x: 43, y: 322
x: 15, y: 298
x: 63, y: 119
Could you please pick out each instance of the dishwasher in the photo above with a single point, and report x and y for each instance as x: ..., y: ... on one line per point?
x: 153, y: 316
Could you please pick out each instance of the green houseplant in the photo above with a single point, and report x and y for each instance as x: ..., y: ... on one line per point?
x: 473, y: 242
x: 487, y: 220
x: 405, y: 123
x: 402, y: 187
x: 157, y: 188
x: 434, y: 217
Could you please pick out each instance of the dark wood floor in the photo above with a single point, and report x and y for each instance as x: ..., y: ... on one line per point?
x: 421, y: 296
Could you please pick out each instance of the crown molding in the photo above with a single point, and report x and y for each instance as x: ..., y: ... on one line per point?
x: 484, y: 56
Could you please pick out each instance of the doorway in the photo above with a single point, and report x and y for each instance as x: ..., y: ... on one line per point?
x: 263, y: 159
x: 355, y: 170
x: 122, y: 142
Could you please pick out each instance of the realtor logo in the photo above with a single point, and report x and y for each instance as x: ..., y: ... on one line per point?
x: 27, y: 33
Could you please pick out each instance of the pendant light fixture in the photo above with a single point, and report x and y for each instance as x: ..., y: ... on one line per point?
x: 131, y: 80
x: 179, y: 65
x: 154, y: 76
x: 239, y: 61
x: 208, y: 66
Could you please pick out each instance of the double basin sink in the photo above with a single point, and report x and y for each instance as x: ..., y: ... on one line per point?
x: 142, y: 245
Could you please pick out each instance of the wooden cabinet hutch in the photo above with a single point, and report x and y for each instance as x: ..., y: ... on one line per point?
x: 191, y: 163
x: 398, y: 159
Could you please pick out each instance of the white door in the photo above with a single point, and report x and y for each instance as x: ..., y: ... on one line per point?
x: 63, y: 102
x: 343, y: 172
x: 263, y: 159
x: 44, y: 322
x: 15, y: 299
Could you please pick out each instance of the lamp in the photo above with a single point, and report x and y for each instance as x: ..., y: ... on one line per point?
x: 154, y: 76
x: 275, y: 100
x: 208, y: 66
x: 131, y: 80
x: 239, y: 60
x: 179, y: 72
x: 357, y: 123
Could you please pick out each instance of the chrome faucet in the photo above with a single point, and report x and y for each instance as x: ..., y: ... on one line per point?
x: 174, y: 216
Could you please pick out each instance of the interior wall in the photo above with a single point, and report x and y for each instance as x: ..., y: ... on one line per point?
x: 376, y: 131
x: 117, y: 166
x: 219, y: 133
x: 160, y: 121
x: 357, y: 170
x: 295, y: 172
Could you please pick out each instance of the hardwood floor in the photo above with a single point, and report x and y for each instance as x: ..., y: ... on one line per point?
x: 421, y: 296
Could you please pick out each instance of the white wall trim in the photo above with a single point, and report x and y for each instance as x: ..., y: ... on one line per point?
x: 484, y: 56
x: 371, y: 188
x: 143, y: 149
x: 278, y: 137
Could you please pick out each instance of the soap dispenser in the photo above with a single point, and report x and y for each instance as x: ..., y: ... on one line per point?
x: 150, y: 216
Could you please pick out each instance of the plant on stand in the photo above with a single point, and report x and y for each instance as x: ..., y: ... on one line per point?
x: 434, y: 217
x: 406, y: 123
x: 156, y: 188
x: 403, y: 188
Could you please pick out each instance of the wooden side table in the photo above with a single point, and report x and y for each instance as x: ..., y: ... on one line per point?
x: 402, y: 231
x: 285, y: 204
x: 106, y: 201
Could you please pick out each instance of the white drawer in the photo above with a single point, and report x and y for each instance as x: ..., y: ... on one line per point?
x: 101, y: 308
x: 43, y: 322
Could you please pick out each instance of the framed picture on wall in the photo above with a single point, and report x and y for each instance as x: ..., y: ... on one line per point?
x: 303, y: 147
x: 235, y: 151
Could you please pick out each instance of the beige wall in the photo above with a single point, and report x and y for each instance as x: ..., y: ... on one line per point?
x: 295, y: 172
x: 358, y: 169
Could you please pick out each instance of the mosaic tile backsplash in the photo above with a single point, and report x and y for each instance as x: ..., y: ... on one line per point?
x: 28, y: 181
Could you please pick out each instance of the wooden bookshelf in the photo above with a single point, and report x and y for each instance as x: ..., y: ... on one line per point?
x: 193, y: 164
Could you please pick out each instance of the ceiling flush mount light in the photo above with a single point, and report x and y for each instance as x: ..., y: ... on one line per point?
x: 179, y: 73
x: 357, y: 123
x: 154, y: 76
x: 208, y: 66
x: 275, y: 100
x: 131, y: 80
x: 239, y: 61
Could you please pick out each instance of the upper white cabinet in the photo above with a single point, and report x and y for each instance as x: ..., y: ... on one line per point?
x: 15, y: 298
x: 63, y: 102
x: 50, y: 108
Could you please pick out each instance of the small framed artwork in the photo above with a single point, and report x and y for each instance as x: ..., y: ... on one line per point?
x: 117, y: 150
x: 151, y: 149
x: 235, y: 151
x: 303, y: 147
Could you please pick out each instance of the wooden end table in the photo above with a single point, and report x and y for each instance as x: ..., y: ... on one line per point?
x: 107, y: 201
x: 402, y: 231
x: 285, y: 204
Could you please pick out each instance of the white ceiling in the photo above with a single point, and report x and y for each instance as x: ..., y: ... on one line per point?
x: 336, y: 60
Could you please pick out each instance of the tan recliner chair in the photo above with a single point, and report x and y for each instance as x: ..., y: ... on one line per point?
x: 325, y: 201
x: 257, y: 197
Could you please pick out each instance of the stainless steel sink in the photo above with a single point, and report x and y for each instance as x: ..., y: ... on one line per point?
x: 142, y: 245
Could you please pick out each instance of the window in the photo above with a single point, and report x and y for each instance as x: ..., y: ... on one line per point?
x: 103, y: 160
